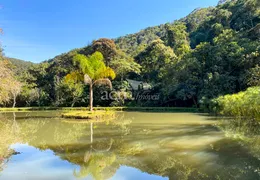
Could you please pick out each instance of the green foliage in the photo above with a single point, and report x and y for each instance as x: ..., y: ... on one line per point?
x: 133, y: 44
x: 107, y: 47
x: 20, y: 66
x: 197, y: 17
x: 10, y: 87
x: 154, y: 59
x: 94, y: 66
x: 68, y: 90
x: 177, y: 38
x: 124, y: 64
x: 254, y: 76
x: 243, y: 104
x: 211, y: 52
x: 94, y: 71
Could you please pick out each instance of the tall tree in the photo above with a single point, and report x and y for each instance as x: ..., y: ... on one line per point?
x: 123, y: 64
x: 6, y: 76
x: 177, y: 38
x: 72, y: 87
x: 154, y: 60
x: 10, y: 87
x: 95, y: 72
x: 107, y: 47
x: 15, y: 90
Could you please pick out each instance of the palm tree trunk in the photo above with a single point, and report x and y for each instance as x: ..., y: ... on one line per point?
x: 91, y: 97
x: 91, y: 133
x: 14, y: 103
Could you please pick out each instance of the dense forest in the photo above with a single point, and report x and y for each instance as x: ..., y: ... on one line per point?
x: 210, y: 53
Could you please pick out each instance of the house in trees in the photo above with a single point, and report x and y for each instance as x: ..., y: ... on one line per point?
x: 139, y: 85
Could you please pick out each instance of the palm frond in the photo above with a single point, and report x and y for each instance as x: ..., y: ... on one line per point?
x: 105, y: 72
x: 85, y: 64
x: 94, y: 68
x: 104, y: 81
x: 96, y: 61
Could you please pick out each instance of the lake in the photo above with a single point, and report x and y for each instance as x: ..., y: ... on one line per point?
x: 135, y: 145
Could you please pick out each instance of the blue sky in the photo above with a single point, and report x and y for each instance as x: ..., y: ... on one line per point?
x: 37, y: 30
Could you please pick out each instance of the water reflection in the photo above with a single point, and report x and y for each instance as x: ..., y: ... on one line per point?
x: 246, y: 130
x: 167, y: 145
x: 8, y: 135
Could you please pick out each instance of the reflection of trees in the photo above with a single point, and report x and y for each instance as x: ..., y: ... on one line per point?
x: 122, y: 123
x: 96, y: 165
x: 100, y: 148
x: 100, y: 157
x: 94, y: 151
x: 46, y: 133
x: 8, y: 135
x: 247, y: 130
x: 99, y: 160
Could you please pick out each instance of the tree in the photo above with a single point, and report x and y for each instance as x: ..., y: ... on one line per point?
x: 10, y: 87
x: 30, y: 96
x: 6, y: 76
x: 15, y: 90
x: 94, y: 71
x: 154, y: 59
x: 107, y: 47
x: 73, y: 86
x: 254, y: 76
x: 246, y: 14
x: 181, y: 82
x: 177, y: 38
x: 123, y: 64
x: 42, y: 77
x: 29, y: 92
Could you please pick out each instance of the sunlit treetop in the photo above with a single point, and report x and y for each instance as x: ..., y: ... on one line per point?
x: 94, y: 66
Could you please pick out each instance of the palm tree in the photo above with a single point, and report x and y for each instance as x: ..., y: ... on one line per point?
x: 95, y: 72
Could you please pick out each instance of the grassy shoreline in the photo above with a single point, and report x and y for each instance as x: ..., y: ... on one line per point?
x: 95, y: 115
x: 142, y: 109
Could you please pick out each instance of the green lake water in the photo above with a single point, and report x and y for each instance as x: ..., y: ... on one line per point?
x: 136, y: 145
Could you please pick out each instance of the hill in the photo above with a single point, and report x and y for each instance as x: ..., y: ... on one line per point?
x: 20, y: 65
x: 211, y: 52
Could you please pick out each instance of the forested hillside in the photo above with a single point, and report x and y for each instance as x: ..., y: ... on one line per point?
x: 212, y: 52
x: 20, y: 65
x: 134, y: 43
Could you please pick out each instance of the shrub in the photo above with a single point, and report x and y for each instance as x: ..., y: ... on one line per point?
x: 242, y: 104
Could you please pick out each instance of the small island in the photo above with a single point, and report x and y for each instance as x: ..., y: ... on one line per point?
x: 89, y: 115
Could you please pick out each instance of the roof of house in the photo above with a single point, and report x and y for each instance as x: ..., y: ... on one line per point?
x: 136, y: 84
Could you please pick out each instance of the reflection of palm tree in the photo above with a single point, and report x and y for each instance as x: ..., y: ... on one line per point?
x: 96, y: 165
x: 96, y: 161
x: 15, y: 127
x: 91, y: 132
x: 91, y: 140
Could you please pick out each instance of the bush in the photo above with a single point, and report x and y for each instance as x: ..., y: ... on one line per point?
x: 243, y: 104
